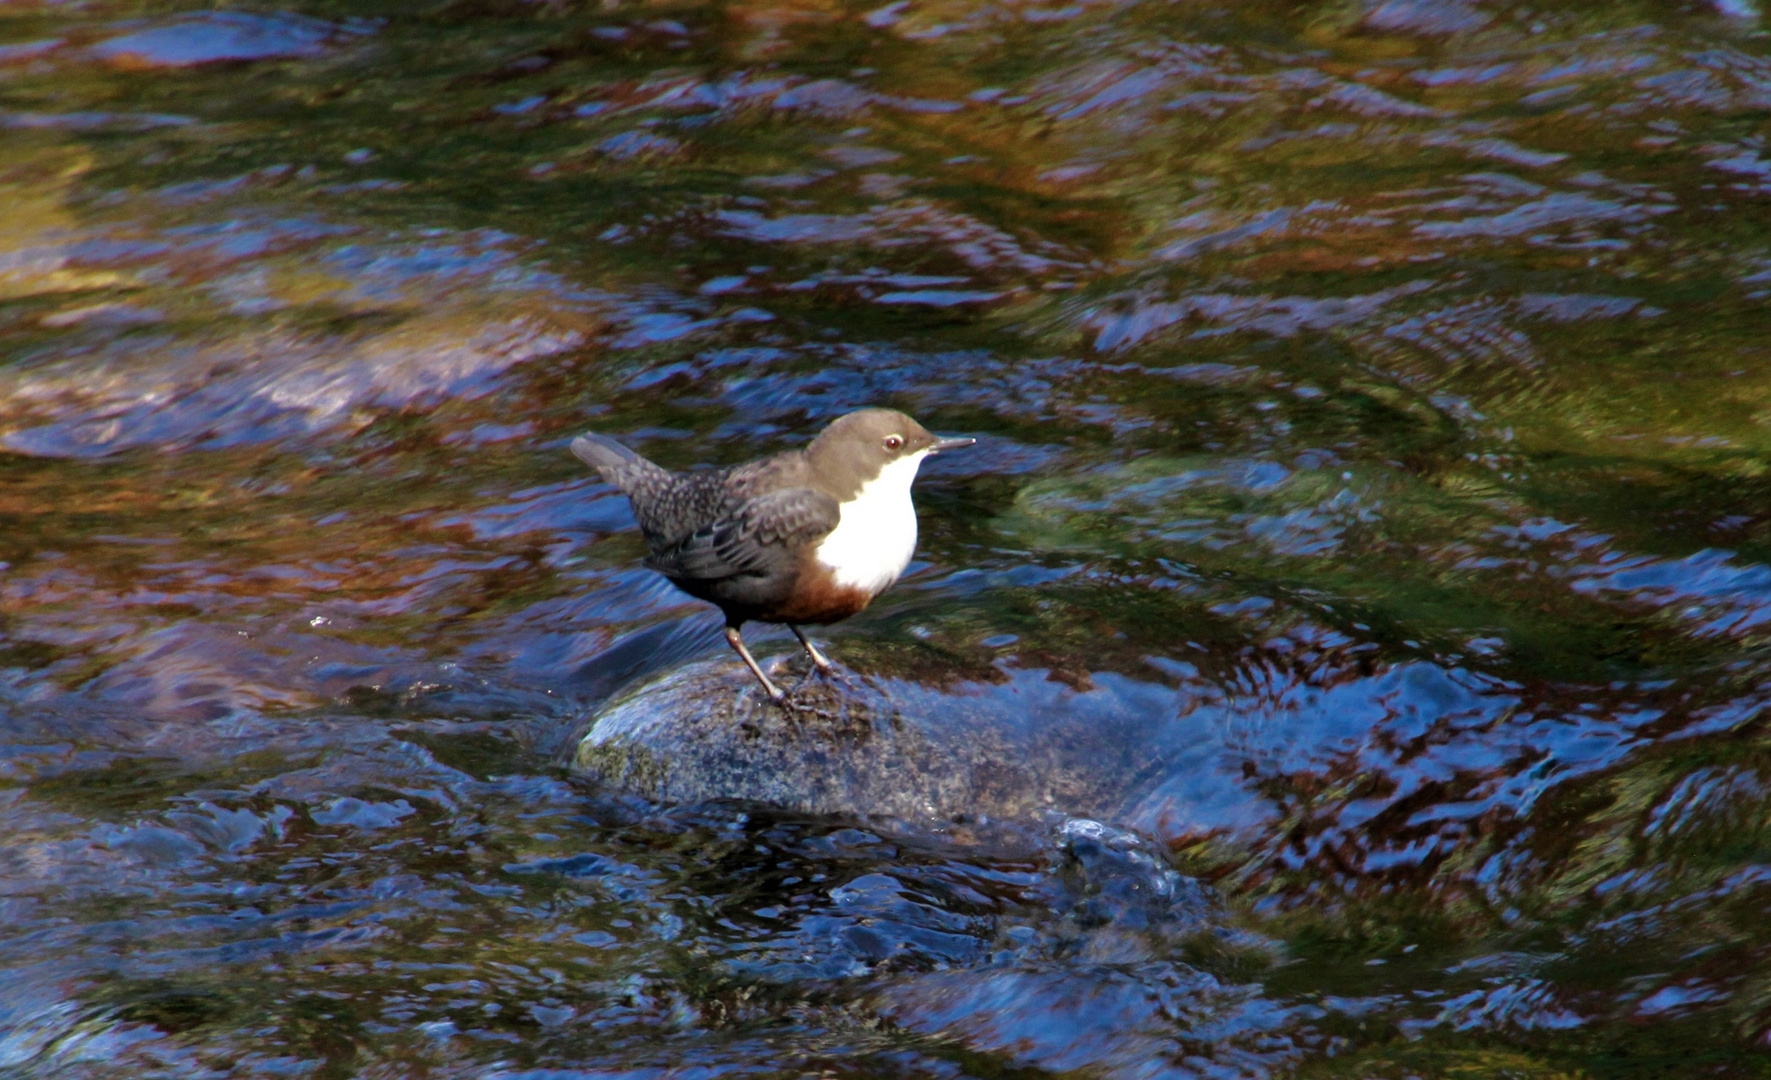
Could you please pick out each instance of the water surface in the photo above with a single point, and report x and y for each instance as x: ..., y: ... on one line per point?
x: 1351, y: 624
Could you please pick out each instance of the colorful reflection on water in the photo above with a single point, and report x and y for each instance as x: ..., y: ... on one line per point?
x: 1344, y: 653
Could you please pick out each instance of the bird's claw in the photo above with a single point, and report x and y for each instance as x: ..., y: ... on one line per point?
x: 841, y: 676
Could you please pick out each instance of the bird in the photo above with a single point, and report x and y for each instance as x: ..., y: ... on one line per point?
x: 804, y: 537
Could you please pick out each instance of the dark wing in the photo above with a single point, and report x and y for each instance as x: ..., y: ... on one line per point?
x: 758, y: 536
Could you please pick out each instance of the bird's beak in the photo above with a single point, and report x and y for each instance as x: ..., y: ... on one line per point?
x: 950, y: 444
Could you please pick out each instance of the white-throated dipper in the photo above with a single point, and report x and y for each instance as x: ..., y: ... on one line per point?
x: 804, y: 537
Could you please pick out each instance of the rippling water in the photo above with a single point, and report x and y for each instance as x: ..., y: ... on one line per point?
x: 1345, y: 653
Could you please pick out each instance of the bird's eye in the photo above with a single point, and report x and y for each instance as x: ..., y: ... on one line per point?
x: 892, y: 442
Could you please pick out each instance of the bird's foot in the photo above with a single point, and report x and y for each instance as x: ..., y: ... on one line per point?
x: 798, y: 708
x: 836, y: 678
x: 800, y: 700
x: 770, y: 691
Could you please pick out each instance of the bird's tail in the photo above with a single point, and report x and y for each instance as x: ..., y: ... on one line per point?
x: 618, y: 465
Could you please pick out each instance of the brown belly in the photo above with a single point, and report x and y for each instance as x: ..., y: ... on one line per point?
x: 818, y: 599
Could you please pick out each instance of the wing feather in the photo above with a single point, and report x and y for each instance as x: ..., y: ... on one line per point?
x: 758, y: 536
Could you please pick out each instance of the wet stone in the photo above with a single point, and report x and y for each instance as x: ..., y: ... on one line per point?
x: 216, y: 37
x: 848, y: 744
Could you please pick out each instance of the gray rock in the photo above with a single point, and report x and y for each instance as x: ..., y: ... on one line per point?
x: 1012, y: 748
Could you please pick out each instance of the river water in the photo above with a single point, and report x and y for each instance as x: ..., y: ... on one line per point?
x: 1344, y: 654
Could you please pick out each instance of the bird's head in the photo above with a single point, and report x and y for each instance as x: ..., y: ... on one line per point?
x: 859, y: 447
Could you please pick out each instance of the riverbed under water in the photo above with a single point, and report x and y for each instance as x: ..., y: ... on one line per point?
x: 1344, y: 653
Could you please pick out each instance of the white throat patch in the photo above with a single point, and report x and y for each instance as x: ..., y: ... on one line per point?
x: 872, y: 543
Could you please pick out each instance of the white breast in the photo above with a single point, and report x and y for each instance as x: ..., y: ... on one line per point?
x: 872, y: 543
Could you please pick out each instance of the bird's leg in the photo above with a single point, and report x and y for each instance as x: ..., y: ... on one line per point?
x: 818, y: 659
x: 736, y: 640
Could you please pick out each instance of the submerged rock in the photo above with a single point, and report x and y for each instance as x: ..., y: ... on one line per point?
x: 879, y: 746
x: 212, y: 37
